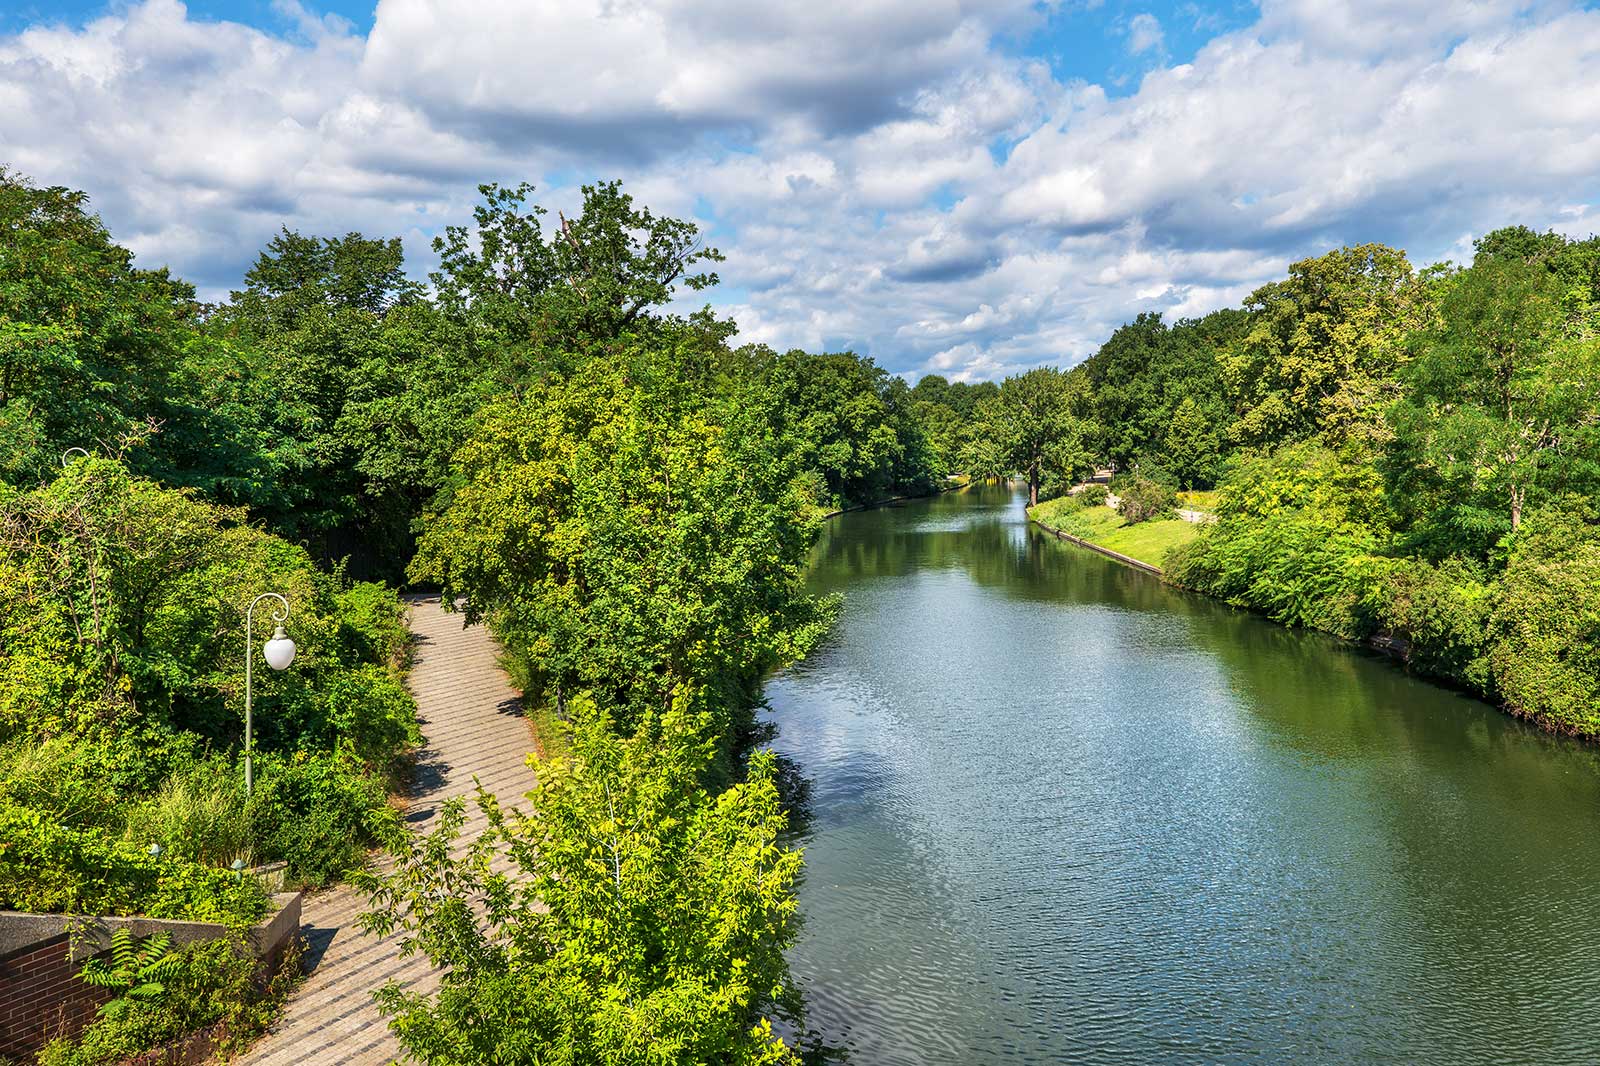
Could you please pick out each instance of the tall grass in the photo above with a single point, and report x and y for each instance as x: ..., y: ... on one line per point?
x: 198, y: 814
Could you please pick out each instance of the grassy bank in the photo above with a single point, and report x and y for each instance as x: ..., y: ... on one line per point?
x: 1147, y: 541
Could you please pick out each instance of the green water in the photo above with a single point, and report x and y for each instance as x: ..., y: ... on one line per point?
x: 1063, y: 814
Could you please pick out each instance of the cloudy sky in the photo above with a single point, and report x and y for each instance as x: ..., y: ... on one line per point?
x: 963, y: 186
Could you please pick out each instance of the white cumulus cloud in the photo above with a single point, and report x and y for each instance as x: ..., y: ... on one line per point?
x: 895, y: 176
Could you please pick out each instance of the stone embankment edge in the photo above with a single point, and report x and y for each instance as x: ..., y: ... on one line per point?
x: 1385, y: 644
x: 1126, y: 560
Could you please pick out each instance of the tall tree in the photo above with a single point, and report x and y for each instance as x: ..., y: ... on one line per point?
x: 1323, y: 348
x: 536, y: 297
x: 1504, y: 389
x: 1032, y: 421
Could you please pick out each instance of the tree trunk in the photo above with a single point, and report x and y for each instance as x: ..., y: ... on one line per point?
x: 1033, y: 485
x: 1516, y: 507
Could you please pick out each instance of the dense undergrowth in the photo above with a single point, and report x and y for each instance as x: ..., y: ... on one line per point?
x: 121, y: 694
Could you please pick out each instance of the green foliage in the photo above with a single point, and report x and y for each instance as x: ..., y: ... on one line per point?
x: 209, y: 985
x: 48, y: 867
x: 198, y: 814
x: 1193, y: 445
x: 600, y: 275
x: 1321, y: 348
x: 120, y: 647
x: 842, y: 416
x: 134, y: 969
x: 1545, y: 631
x: 1296, y: 540
x: 317, y: 812
x: 622, y: 543
x: 1441, y: 613
x: 1033, y: 429
x: 1092, y: 495
x: 1142, y: 498
x: 1144, y: 373
x: 631, y: 918
x: 1504, y: 397
x: 89, y: 349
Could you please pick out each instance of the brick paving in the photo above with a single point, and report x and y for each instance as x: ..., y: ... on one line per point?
x: 472, y: 719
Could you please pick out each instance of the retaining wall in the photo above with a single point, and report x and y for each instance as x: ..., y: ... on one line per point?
x: 41, y: 997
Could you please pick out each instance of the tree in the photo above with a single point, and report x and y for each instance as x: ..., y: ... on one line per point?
x: 623, y: 542
x: 843, y: 416
x: 1031, y: 420
x: 1502, y: 392
x: 296, y: 275
x: 1322, y: 349
x: 537, y: 299
x: 1193, y: 446
x: 90, y: 347
x: 629, y: 916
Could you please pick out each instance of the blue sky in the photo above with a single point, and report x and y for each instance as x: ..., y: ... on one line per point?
x: 965, y: 186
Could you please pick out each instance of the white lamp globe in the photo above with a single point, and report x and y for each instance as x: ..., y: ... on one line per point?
x: 279, y: 651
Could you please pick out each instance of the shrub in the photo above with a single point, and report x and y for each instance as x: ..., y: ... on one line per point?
x: 214, y: 983
x: 121, y: 688
x: 317, y: 812
x: 1297, y: 567
x: 50, y: 868
x: 1143, y: 498
x: 1093, y: 496
x: 1545, y: 629
x: 1441, y: 611
x: 373, y: 625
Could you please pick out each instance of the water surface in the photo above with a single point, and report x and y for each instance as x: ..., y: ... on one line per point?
x: 1062, y: 814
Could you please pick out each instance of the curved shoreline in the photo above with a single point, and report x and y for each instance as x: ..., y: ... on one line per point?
x: 1126, y: 560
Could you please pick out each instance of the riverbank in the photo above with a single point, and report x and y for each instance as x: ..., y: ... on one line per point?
x: 1146, y: 545
x: 1142, y: 545
x: 939, y: 491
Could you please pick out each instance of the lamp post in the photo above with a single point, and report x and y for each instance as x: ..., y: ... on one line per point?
x: 66, y: 456
x: 279, y: 653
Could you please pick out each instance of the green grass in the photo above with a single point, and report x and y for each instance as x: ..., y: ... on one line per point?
x: 1147, y: 541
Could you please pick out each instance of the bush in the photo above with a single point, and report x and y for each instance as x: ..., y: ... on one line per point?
x: 1296, y: 567
x: 1441, y: 611
x: 49, y: 868
x: 1545, y: 629
x: 373, y: 625
x: 317, y: 812
x: 214, y: 983
x: 1092, y: 495
x: 66, y: 779
x: 1143, y: 498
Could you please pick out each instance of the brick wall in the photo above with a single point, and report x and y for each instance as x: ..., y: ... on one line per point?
x: 41, y: 998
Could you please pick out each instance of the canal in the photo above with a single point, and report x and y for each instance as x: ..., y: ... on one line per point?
x: 1060, y: 813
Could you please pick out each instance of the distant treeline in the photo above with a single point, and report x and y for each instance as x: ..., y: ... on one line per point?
x: 1406, y: 456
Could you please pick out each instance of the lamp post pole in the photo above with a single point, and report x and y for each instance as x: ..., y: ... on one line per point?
x: 279, y: 653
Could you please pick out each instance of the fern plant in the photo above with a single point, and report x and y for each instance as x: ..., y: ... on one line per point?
x: 136, y: 969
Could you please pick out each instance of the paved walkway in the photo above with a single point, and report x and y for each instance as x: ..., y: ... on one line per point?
x: 472, y: 720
